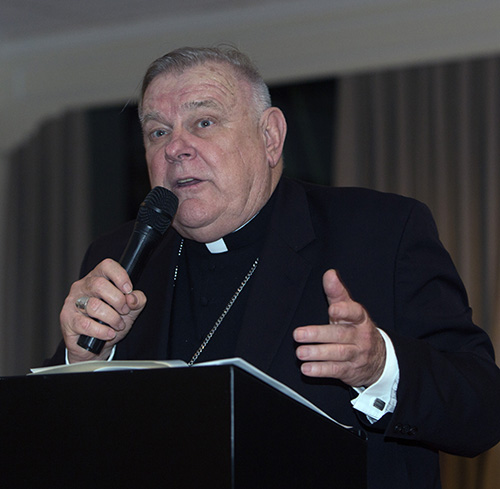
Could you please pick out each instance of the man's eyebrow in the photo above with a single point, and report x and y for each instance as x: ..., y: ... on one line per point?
x: 197, y: 104
x: 150, y: 116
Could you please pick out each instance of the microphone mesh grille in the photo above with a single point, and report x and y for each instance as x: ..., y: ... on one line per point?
x: 158, y: 209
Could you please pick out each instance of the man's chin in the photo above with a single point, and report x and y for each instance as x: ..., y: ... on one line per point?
x: 193, y: 228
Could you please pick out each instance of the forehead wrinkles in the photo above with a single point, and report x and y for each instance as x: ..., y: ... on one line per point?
x: 201, y: 86
x: 209, y: 86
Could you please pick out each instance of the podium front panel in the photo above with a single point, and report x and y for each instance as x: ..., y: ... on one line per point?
x: 133, y: 429
x: 214, y: 427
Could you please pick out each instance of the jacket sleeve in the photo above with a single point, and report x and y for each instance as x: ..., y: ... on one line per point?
x: 449, y: 388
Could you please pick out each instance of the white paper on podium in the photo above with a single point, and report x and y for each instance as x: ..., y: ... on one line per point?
x: 105, y: 366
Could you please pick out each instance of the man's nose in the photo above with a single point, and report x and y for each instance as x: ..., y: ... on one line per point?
x: 179, y: 148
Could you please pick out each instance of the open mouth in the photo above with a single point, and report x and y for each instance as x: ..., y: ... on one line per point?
x: 187, y: 182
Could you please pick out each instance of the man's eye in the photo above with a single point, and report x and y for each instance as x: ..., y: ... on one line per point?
x: 158, y: 133
x: 205, y: 123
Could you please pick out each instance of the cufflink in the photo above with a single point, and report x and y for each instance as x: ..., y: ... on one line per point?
x: 406, y: 429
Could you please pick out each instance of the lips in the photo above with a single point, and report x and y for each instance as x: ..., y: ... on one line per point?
x: 187, y: 182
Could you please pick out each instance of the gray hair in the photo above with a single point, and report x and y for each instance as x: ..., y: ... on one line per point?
x: 181, y: 59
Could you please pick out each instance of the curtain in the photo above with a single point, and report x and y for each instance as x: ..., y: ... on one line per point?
x: 46, y: 232
x: 309, y: 108
x: 432, y: 133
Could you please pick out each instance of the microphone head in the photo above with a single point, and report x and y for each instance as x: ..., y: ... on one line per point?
x: 158, y: 209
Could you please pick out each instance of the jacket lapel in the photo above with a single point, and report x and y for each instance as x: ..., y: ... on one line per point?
x: 280, y: 278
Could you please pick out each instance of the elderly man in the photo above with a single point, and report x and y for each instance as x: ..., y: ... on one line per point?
x: 389, y: 347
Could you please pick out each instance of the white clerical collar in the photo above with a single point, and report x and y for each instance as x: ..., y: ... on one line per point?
x: 218, y: 246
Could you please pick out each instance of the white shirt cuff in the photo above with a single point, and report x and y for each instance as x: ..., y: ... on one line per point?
x: 109, y: 358
x: 381, y: 397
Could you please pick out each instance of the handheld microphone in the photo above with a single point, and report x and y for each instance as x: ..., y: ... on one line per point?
x: 153, y: 219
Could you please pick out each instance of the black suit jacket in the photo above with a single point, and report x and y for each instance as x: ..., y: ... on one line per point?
x: 387, y: 251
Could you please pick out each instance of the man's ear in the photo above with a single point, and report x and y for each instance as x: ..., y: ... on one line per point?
x: 273, y: 125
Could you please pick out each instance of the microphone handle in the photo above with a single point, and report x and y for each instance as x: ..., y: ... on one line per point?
x: 140, y: 246
x: 93, y: 345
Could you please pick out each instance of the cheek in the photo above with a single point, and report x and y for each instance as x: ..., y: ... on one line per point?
x: 156, y: 169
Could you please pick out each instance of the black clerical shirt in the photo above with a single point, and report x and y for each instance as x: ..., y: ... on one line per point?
x: 205, y: 284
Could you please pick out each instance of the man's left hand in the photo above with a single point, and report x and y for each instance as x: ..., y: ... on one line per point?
x: 349, y: 348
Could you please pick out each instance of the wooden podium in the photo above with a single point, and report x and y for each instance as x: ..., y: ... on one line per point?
x: 206, y: 427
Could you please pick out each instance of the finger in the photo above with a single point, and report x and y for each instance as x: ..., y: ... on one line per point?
x: 100, y: 310
x: 101, y: 288
x: 326, y: 352
x: 325, y: 333
x: 136, y: 300
x: 324, y: 369
x: 108, y: 281
x: 361, y: 363
x: 85, y: 325
x: 334, y: 288
x: 346, y: 312
x: 115, y: 273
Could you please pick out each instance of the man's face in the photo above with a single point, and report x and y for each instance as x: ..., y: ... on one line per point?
x: 205, y: 143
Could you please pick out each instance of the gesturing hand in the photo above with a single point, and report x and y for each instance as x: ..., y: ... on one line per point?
x: 349, y: 348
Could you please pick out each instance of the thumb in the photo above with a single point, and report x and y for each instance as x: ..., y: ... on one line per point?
x: 334, y: 288
x: 136, y: 300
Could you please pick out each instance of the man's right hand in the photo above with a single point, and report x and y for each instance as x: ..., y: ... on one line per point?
x: 112, y: 300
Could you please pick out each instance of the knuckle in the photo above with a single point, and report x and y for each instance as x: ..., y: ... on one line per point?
x: 98, y: 284
x: 99, y: 281
x: 107, y: 262
x: 342, y: 351
x: 94, y: 305
x: 75, y: 291
x: 328, y: 352
x: 334, y: 370
x: 106, y: 266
